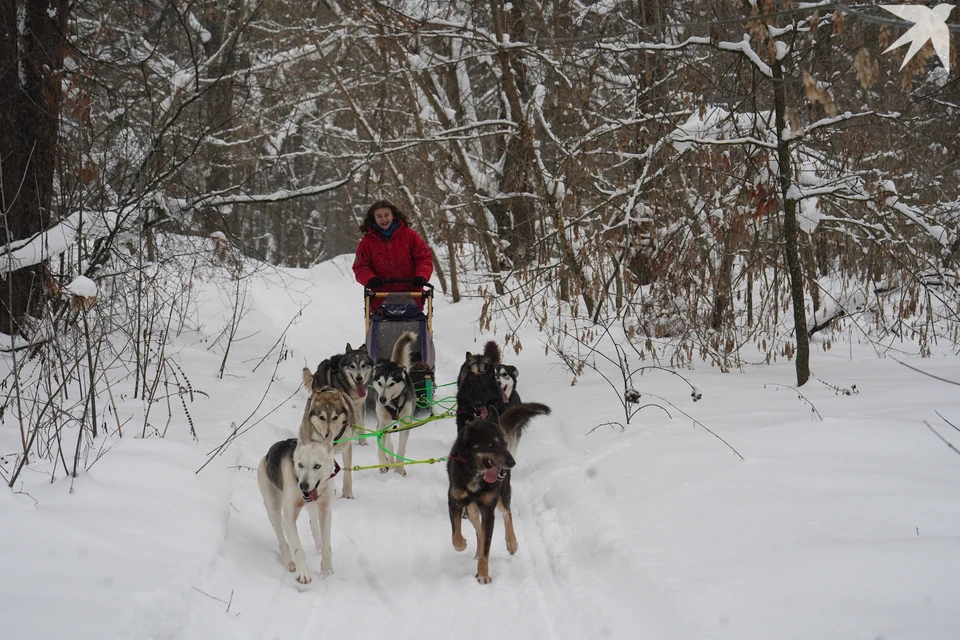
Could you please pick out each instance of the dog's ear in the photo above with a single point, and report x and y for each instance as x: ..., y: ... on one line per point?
x: 493, y: 413
x: 513, y: 370
x: 348, y: 348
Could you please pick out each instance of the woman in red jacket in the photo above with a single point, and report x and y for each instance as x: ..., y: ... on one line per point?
x: 391, y: 250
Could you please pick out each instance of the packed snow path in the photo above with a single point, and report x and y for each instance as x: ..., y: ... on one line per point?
x: 396, y: 572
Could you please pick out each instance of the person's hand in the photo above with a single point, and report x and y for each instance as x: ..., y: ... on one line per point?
x: 374, y: 283
x: 418, y: 281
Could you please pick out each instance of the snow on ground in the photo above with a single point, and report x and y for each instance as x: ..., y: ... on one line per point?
x: 843, y: 526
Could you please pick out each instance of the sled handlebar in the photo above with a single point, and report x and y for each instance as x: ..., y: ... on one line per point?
x: 426, y: 293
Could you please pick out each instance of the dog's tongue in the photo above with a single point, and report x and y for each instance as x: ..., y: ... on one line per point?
x: 483, y: 413
x: 361, y: 390
x: 492, y: 474
x: 506, y: 398
x: 314, y: 496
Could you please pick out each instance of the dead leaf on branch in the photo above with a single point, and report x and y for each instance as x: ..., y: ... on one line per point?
x: 818, y: 95
x: 838, y: 22
x: 867, y: 68
x: 796, y: 127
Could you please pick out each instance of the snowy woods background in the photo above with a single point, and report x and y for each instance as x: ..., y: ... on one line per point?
x: 704, y: 176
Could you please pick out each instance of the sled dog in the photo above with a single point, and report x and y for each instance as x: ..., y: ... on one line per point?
x: 506, y: 375
x: 294, y: 475
x: 396, y: 398
x: 329, y: 418
x: 478, y: 470
x: 477, y: 385
x: 349, y: 372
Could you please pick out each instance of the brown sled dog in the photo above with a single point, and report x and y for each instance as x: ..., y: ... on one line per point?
x: 478, y: 469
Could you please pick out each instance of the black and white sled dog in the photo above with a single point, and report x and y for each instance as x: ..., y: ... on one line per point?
x: 396, y: 398
x: 506, y: 376
x: 293, y: 475
x: 350, y: 372
x: 329, y: 418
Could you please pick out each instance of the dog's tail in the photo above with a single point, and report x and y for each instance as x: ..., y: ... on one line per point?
x: 308, y: 380
x: 492, y: 352
x: 516, y: 418
x: 401, y: 350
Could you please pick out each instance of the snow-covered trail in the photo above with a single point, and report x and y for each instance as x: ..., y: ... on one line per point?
x: 396, y: 572
x: 840, y: 522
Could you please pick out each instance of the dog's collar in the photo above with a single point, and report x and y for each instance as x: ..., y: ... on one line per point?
x: 456, y: 457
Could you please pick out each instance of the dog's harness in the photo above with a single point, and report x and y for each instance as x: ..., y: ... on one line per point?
x: 394, y: 411
x: 343, y: 429
x: 456, y: 457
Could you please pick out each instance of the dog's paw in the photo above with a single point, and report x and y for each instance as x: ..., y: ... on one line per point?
x: 384, y: 469
x: 326, y: 572
x: 459, y: 543
x: 304, y: 578
x: 484, y: 579
x: 401, y: 470
x: 347, y: 495
x: 291, y: 566
x: 362, y: 442
x: 512, y: 546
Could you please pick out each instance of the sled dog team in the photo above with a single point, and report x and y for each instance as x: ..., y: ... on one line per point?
x: 490, y: 419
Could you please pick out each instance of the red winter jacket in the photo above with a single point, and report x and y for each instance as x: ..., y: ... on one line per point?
x: 403, y: 255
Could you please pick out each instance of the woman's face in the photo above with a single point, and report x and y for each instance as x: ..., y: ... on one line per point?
x: 383, y: 217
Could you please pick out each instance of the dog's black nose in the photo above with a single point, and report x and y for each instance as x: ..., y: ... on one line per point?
x: 304, y: 487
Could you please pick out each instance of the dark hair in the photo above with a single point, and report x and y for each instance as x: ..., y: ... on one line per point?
x: 369, y: 222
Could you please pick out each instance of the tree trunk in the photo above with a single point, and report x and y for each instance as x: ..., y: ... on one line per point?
x: 514, y: 215
x: 790, y: 230
x: 31, y: 60
x: 722, y: 292
x: 222, y: 21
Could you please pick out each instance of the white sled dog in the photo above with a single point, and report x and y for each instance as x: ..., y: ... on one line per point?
x: 396, y: 398
x: 294, y: 475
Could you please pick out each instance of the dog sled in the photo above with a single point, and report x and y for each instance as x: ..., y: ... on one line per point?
x: 397, y: 313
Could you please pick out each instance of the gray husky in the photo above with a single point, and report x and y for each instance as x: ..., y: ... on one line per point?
x: 328, y: 417
x: 350, y: 372
x: 396, y: 398
x: 292, y: 475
